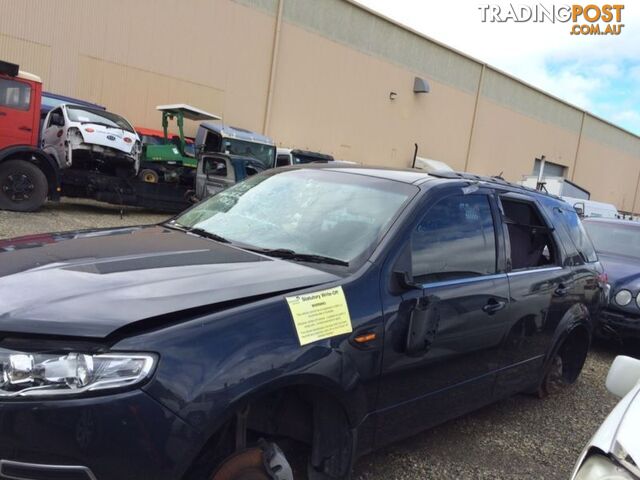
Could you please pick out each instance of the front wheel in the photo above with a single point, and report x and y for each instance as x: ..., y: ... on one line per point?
x: 23, y: 186
x: 264, y: 462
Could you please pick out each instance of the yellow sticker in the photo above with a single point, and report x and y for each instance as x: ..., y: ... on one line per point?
x: 320, y: 315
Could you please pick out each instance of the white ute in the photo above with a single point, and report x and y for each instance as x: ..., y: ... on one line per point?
x: 614, y: 451
x: 91, y: 139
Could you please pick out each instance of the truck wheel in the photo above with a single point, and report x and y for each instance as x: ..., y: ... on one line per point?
x: 149, y: 176
x: 23, y: 186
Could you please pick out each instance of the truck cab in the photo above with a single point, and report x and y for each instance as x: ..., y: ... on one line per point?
x: 27, y: 175
x: 227, y: 155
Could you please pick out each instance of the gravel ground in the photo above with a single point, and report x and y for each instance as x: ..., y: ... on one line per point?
x: 519, y: 438
x: 73, y: 215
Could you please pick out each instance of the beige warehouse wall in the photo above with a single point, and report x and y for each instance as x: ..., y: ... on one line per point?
x: 336, y: 65
x: 508, y: 141
x: 132, y: 56
x: 335, y: 99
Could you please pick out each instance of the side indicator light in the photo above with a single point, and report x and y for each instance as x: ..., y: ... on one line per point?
x: 89, y: 129
x: 365, y: 338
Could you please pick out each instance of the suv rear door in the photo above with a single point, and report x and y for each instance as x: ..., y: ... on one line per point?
x: 458, y: 315
x: 541, y: 280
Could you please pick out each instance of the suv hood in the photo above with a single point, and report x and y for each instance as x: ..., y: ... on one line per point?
x: 92, y: 283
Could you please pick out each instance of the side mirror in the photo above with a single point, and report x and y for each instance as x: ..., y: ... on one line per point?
x: 623, y: 376
x: 402, y: 277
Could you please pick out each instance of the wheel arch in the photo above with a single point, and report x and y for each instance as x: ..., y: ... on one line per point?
x: 572, y: 336
x: 295, y: 402
x: 45, y: 162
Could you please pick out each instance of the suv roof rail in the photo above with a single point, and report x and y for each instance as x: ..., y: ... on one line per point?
x: 497, y: 179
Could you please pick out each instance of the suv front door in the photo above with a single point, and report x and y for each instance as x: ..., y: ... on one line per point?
x: 443, y: 337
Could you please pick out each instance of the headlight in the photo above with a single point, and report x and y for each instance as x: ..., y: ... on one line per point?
x: 623, y: 297
x: 599, y: 467
x: 45, y: 374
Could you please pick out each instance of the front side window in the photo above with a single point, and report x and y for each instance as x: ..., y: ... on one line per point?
x: 456, y: 239
x: 313, y: 212
x: 579, y: 236
x: 215, y: 166
x: 14, y: 94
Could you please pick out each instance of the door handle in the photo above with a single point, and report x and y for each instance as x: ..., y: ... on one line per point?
x: 25, y: 129
x: 562, y: 290
x: 493, y: 306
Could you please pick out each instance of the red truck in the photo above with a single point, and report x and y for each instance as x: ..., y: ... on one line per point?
x: 29, y: 176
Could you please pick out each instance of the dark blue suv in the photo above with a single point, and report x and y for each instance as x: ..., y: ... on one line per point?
x: 313, y: 313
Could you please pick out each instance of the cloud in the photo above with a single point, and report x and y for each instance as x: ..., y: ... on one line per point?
x: 597, y: 73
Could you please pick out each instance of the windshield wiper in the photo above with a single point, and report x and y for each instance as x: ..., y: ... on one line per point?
x: 200, y: 232
x: 287, y: 254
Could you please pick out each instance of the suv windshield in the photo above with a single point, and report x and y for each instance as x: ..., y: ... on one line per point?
x: 100, y: 117
x: 308, y: 211
x: 266, y: 154
x: 616, y: 238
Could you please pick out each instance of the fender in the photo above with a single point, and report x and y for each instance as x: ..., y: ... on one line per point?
x: 578, y: 315
x: 39, y: 157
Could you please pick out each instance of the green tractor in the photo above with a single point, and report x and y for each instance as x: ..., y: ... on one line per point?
x: 171, y: 158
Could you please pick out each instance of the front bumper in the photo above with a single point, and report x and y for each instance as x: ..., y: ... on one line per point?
x: 127, y: 436
x: 618, y: 325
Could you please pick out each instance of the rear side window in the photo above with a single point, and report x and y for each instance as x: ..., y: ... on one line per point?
x: 455, y: 239
x: 530, y: 239
x: 578, y: 235
x: 14, y: 94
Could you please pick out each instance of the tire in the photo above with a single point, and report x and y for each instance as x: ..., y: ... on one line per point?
x: 263, y: 462
x: 149, y: 176
x: 554, y: 380
x: 23, y: 186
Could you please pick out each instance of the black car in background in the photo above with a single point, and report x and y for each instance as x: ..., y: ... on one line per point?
x: 339, y: 309
x: 618, y: 245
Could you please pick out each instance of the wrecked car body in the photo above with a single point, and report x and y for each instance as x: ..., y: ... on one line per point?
x: 90, y: 139
x: 333, y: 308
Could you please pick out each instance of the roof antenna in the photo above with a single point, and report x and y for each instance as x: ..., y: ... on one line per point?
x: 500, y: 175
x: 415, y: 155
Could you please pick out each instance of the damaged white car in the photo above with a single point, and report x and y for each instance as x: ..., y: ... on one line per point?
x: 614, y: 451
x: 91, y: 139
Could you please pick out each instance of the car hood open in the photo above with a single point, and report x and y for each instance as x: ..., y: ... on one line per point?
x: 89, y: 284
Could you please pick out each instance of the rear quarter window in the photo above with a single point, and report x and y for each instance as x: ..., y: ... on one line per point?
x: 573, y: 225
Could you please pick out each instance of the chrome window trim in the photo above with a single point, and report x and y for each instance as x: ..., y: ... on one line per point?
x: 533, y: 270
x: 461, y: 281
x: 39, y: 466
